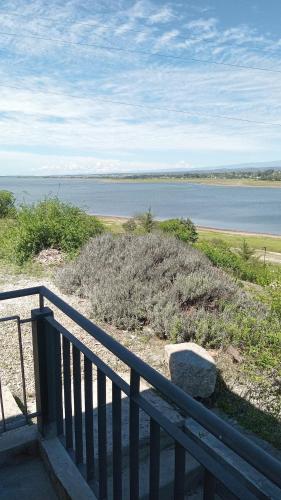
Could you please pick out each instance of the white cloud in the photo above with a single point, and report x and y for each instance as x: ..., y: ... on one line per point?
x: 203, y: 24
x: 162, y: 16
x: 166, y: 39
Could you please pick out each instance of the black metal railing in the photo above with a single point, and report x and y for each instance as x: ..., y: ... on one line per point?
x: 64, y: 395
x: 6, y: 422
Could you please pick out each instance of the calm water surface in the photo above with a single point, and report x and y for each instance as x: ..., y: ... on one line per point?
x: 248, y: 209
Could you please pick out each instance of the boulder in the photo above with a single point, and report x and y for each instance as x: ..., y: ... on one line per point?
x: 192, y: 368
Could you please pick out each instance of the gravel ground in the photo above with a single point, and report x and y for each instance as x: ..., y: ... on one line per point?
x: 149, y: 348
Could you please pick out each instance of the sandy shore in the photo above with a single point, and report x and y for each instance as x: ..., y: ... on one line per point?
x: 205, y: 181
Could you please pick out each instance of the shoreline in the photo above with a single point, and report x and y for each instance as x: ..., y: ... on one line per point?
x: 242, y: 183
x: 123, y: 218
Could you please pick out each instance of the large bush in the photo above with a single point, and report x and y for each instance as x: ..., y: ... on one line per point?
x: 183, y: 229
x: 7, y: 204
x: 158, y: 281
x: 50, y: 224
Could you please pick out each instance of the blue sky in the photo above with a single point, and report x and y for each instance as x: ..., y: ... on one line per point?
x: 125, y: 93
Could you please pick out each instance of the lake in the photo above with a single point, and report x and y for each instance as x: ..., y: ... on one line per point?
x: 224, y: 207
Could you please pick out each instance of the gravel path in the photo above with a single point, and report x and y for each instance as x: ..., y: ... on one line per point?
x: 149, y: 348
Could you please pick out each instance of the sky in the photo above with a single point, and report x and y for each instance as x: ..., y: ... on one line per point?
x: 135, y: 86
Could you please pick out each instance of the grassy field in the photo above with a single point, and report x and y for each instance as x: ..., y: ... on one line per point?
x: 202, y: 180
x: 258, y: 242
x: 232, y: 238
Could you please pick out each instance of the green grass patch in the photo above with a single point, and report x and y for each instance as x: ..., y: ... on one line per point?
x: 252, y: 270
x: 272, y: 244
x: 112, y: 225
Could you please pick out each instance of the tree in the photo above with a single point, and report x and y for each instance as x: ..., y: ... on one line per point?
x: 146, y: 221
x: 183, y: 229
x: 7, y: 204
x: 245, y: 251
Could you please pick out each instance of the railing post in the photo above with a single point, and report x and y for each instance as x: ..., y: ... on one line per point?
x: 47, y: 370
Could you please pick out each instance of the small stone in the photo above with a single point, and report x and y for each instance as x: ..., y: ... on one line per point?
x: 50, y: 256
x: 147, y: 330
x: 192, y: 368
x: 235, y: 354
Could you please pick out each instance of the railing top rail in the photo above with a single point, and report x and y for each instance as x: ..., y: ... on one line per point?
x: 245, y: 448
x: 23, y: 292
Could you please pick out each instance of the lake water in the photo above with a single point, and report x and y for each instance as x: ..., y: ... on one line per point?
x: 241, y: 208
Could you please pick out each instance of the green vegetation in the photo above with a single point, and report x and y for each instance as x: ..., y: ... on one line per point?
x: 48, y: 224
x: 143, y: 223
x: 183, y: 229
x: 130, y: 226
x: 240, y: 263
x: 245, y: 251
x: 234, y: 240
x: 7, y: 204
x: 146, y: 221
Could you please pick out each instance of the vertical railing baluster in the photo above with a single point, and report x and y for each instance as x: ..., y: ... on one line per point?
x: 41, y: 301
x: 67, y: 394
x: 134, y: 436
x: 77, y: 405
x: 154, y: 462
x: 42, y: 355
x: 179, y: 472
x: 209, y: 486
x: 117, y: 442
x: 58, y: 382
x: 2, y: 407
x: 22, y: 370
x: 89, y: 424
x: 102, y: 437
x: 47, y: 370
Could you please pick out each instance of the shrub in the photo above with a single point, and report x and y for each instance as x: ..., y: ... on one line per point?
x: 7, y: 204
x: 51, y: 224
x: 222, y: 256
x: 183, y: 229
x: 159, y: 281
x: 129, y: 226
x: 245, y: 251
x: 146, y: 221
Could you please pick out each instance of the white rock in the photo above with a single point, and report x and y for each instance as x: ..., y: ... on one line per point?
x: 192, y: 368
